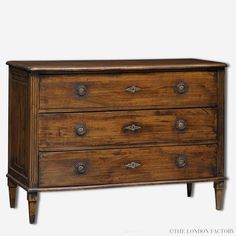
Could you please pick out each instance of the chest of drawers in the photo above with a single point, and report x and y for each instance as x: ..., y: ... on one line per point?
x: 93, y: 124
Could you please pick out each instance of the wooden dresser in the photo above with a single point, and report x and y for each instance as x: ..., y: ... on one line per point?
x: 92, y: 124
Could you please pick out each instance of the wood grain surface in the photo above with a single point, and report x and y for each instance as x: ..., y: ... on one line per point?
x: 110, y: 91
x: 110, y: 166
x: 115, y: 65
x: 108, y: 128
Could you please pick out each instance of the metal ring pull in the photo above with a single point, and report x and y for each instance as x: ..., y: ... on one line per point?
x: 181, y: 87
x: 81, y: 90
x: 180, y: 124
x: 81, y: 130
x: 81, y: 167
x: 181, y: 161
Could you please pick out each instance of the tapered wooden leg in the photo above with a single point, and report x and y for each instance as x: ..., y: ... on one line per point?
x: 219, y: 194
x: 189, y: 189
x: 32, y: 203
x: 12, y: 186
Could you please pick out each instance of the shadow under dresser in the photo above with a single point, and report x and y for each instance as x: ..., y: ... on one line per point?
x: 108, y: 123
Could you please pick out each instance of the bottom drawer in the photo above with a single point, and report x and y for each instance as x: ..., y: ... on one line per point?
x: 134, y: 165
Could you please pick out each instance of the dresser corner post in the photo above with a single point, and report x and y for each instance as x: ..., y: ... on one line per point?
x: 219, y: 187
x: 12, y: 188
x: 221, y: 122
x: 32, y: 198
x: 33, y: 129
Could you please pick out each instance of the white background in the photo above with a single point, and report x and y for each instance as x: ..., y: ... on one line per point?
x: 115, y: 30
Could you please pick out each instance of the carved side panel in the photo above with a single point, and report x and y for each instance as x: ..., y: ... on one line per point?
x: 18, y: 125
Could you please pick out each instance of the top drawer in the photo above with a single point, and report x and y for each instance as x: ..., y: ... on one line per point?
x: 130, y: 90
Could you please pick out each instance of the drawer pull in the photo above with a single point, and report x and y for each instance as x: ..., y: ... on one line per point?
x: 81, y: 168
x: 133, y: 89
x: 132, y: 128
x: 181, y: 161
x: 133, y: 165
x: 81, y: 90
x: 181, y: 87
x: 180, y: 124
x: 81, y: 130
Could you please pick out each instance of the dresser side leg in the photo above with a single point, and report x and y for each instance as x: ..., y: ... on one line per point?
x: 12, y: 187
x: 219, y: 194
x: 32, y: 204
x: 189, y: 189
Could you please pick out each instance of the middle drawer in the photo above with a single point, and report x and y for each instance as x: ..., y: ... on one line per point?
x: 69, y: 130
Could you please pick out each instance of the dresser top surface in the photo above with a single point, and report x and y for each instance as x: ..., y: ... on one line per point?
x: 115, y: 65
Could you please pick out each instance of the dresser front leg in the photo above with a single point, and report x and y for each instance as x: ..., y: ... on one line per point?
x: 12, y: 187
x: 32, y: 203
x: 189, y: 189
x: 219, y: 194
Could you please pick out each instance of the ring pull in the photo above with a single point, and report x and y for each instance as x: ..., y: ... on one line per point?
x: 181, y: 87
x: 81, y: 167
x: 181, y: 161
x: 81, y: 130
x: 180, y: 124
x: 81, y: 90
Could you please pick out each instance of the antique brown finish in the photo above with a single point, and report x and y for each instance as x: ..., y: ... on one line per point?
x: 126, y: 165
x: 94, y: 124
x: 19, y: 118
x: 90, y: 91
x: 116, y: 65
x: 60, y: 130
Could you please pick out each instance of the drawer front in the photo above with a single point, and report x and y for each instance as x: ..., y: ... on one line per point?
x: 127, y: 90
x: 68, y: 130
x: 117, y: 166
